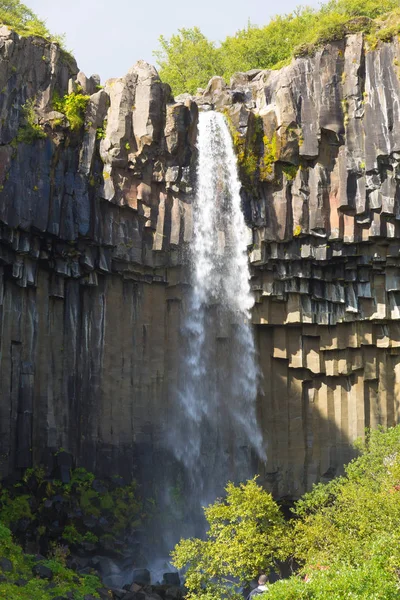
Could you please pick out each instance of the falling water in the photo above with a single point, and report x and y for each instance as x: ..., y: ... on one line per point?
x: 219, y: 437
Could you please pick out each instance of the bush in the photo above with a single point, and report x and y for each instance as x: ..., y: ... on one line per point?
x: 114, y: 509
x: 345, y: 535
x: 30, y: 130
x: 369, y: 581
x: 64, y: 580
x: 188, y: 59
x: 243, y: 538
x: 73, y: 106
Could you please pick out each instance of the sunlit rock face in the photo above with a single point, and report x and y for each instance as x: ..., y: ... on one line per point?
x: 95, y: 232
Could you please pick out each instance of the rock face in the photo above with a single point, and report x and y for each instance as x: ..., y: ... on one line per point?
x: 94, y: 231
x: 325, y: 253
x: 93, y: 225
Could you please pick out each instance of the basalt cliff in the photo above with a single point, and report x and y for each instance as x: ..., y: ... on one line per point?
x: 95, y: 225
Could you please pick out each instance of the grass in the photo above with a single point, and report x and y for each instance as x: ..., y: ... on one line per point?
x: 25, y: 22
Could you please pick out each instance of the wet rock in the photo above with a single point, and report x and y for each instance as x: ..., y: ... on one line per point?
x: 172, y: 579
x: 141, y: 577
x: 42, y: 571
x: 104, y: 594
x: 99, y: 486
x: 174, y: 593
x: 118, y: 593
x: 6, y: 565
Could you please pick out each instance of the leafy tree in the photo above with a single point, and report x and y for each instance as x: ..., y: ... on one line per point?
x: 347, y: 532
x: 243, y: 539
x: 188, y: 60
x: 342, y: 519
x: 73, y: 106
x: 344, y: 534
x: 24, y: 21
x: 360, y: 8
x: 29, y: 131
x: 264, y: 47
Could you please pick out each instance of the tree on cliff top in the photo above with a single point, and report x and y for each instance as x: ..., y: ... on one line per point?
x: 188, y: 60
x: 24, y: 21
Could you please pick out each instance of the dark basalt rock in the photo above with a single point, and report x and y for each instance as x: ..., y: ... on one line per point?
x: 6, y: 565
x: 171, y: 579
x: 141, y: 577
x: 118, y: 593
x: 42, y: 571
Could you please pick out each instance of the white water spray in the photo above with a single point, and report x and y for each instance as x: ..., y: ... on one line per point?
x: 219, y: 436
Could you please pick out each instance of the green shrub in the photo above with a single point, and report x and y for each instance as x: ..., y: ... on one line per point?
x: 100, y: 133
x: 29, y: 131
x: 65, y: 580
x: 345, y: 535
x: 120, y: 504
x: 73, y: 106
x: 369, y: 581
x: 187, y: 60
x: 14, y: 508
x: 244, y: 536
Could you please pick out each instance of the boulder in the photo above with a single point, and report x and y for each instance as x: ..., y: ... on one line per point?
x: 6, y: 565
x: 42, y: 571
x: 141, y: 577
x: 171, y: 579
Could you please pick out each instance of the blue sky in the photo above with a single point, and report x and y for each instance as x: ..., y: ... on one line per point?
x: 109, y: 37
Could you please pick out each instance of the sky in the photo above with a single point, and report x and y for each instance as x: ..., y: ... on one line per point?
x: 107, y: 37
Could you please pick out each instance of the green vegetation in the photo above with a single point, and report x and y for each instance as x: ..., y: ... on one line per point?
x: 65, y: 580
x: 345, y: 535
x: 73, y: 106
x: 188, y: 59
x: 114, y: 508
x: 101, y: 133
x: 290, y: 171
x: 243, y: 537
x: 269, y: 158
x: 256, y: 154
x: 21, y: 19
x: 30, y: 130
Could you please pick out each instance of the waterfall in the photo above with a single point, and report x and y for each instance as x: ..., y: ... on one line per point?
x: 219, y: 438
